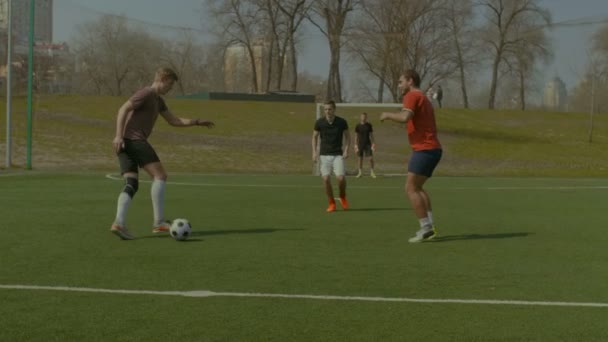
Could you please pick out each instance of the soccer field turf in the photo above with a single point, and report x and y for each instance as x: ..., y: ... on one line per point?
x: 517, y: 259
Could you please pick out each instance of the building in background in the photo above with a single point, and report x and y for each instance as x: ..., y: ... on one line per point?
x: 43, y: 29
x: 54, y: 68
x: 238, y: 71
x: 555, y: 96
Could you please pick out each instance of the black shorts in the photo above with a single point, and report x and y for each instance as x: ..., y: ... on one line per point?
x: 424, y: 162
x: 364, y: 151
x: 136, y: 154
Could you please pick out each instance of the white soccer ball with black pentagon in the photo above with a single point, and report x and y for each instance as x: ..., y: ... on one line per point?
x: 180, y: 229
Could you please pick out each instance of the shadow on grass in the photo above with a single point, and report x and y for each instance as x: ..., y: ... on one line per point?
x: 374, y: 209
x: 241, y: 231
x: 222, y: 232
x: 448, y: 238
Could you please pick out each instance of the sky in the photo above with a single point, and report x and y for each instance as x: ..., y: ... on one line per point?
x: 570, y: 43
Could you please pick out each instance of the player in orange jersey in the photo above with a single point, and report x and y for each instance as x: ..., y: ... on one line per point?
x: 419, y: 115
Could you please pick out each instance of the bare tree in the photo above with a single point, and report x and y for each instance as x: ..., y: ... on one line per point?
x: 396, y: 35
x: 116, y: 57
x: 459, y: 18
x: 272, y: 28
x: 374, y: 39
x: 526, y: 55
x: 595, y: 79
x: 184, y: 56
x: 239, y: 22
x: 213, y: 66
x: 507, y: 21
x: 329, y: 16
x: 295, y: 11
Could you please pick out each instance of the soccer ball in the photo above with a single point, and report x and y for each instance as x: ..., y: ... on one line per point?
x: 180, y: 229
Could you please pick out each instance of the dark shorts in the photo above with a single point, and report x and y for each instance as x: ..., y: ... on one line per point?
x: 365, y: 151
x: 424, y: 162
x: 136, y: 154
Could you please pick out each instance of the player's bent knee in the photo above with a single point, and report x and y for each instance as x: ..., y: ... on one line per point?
x: 131, y: 186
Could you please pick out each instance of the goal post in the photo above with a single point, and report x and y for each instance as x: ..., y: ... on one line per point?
x: 316, y: 169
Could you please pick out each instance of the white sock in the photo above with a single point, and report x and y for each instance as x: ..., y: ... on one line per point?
x: 121, y: 210
x: 158, y: 201
x: 429, y: 214
x: 425, y: 222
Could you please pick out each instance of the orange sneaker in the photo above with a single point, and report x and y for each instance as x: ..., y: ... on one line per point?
x: 344, y: 203
x: 121, y: 232
x: 162, y: 228
x: 331, y: 208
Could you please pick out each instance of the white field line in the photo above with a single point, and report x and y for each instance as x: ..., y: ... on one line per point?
x: 205, y: 294
x: 573, y: 187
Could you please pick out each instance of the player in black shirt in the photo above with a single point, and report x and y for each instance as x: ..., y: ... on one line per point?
x: 365, y: 144
x: 333, y: 131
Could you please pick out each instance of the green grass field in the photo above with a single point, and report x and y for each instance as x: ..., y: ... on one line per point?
x: 537, y: 240
x: 75, y: 133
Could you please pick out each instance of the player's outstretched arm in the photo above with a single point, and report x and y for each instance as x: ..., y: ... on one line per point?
x: 404, y: 116
x: 182, y: 122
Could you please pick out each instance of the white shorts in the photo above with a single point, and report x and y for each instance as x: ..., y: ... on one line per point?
x: 332, y: 163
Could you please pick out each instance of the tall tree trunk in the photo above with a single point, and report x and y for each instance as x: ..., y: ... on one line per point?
x: 493, y: 85
x: 463, y: 87
x: 334, y: 87
x: 270, y: 62
x: 522, y: 89
x: 281, y: 64
x: 254, y: 73
x: 294, y: 64
x: 380, y: 97
x: 463, y: 81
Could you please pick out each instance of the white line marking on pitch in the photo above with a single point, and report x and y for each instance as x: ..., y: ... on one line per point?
x: 581, y: 187
x: 113, y: 177
x: 204, y: 294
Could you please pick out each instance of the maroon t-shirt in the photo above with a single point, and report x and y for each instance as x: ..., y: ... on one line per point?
x: 146, y: 106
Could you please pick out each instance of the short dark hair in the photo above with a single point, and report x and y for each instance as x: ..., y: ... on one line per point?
x: 413, y: 75
x: 332, y: 103
x: 166, y: 73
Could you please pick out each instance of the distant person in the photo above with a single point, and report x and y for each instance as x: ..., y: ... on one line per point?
x: 365, y: 144
x: 419, y: 115
x: 439, y: 95
x: 335, y: 139
x: 134, y: 123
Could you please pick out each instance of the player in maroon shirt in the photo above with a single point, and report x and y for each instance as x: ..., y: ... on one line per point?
x: 134, y: 124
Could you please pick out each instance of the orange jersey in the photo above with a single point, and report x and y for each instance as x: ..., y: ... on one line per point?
x: 421, y: 129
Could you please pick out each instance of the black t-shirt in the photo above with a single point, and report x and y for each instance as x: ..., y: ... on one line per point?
x: 363, y: 131
x: 331, y: 135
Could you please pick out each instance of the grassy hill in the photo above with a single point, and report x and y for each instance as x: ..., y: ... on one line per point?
x: 75, y: 133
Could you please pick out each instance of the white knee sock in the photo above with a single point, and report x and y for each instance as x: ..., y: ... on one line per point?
x: 121, y: 210
x: 158, y: 201
x: 425, y: 223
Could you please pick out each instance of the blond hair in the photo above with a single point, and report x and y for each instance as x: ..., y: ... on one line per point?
x: 165, y: 73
